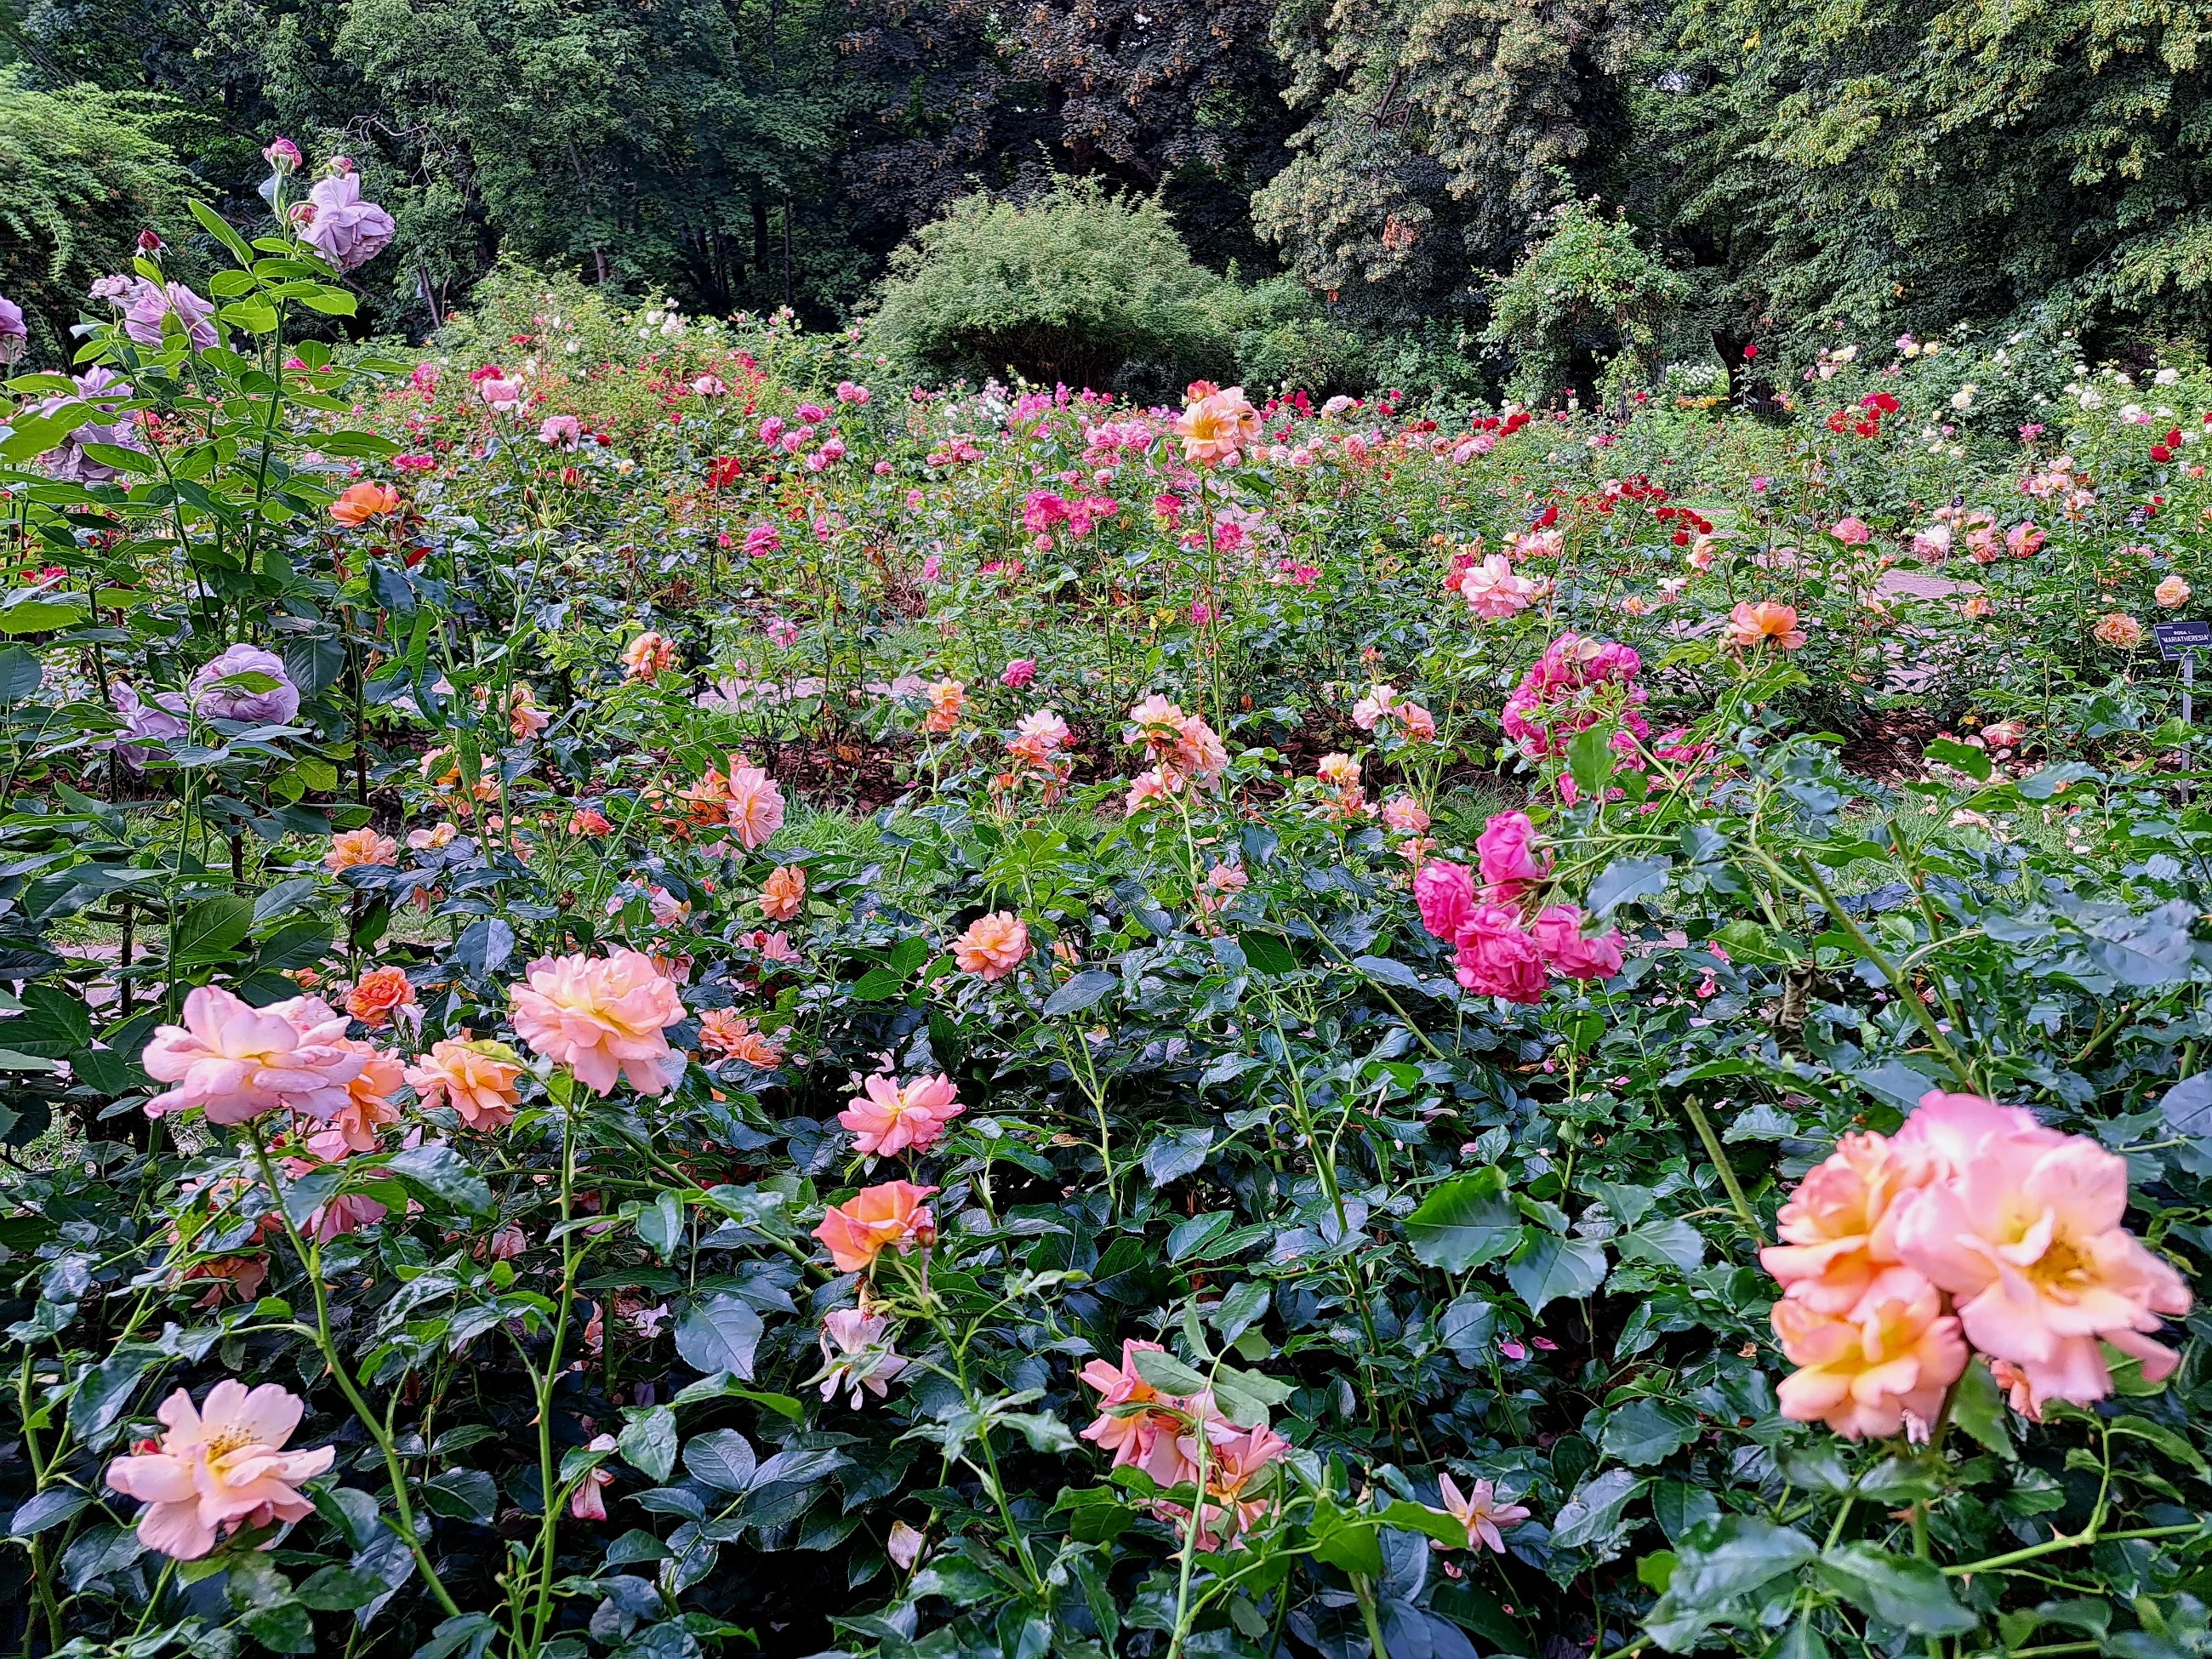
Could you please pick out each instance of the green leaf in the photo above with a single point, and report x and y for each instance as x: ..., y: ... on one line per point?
x: 21, y: 674
x: 1246, y: 1302
x: 1168, y: 1374
x: 1645, y: 1432
x: 1464, y: 1222
x: 724, y: 1460
x: 1268, y: 955
x: 211, y: 931
x: 217, y: 227
x: 878, y: 985
x: 282, y: 1627
x: 1590, y: 760
x: 1898, y: 1589
x: 340, y: 1590
x: 1624, y: 879
x: 1974, y: 763
x: 720, y: 1333
x: 1730, y: 1556
x: 660, y: 1224
x: 1550, y: 1267
x: 462, y: 1495
x: 1977, y: 1407
x: 439, y: 1175
x: 647, y: 1443
x: 1593, y: 1515
x: 1079, y: 992
x: 38, y: 617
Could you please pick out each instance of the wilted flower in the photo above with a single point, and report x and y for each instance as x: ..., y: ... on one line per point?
x: 1485, y: 1518
x: 585, y: 1503
x: 855, y: 1355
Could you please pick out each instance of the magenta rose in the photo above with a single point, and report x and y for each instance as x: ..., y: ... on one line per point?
x: 1559, y: 942
x: 1498, y: 959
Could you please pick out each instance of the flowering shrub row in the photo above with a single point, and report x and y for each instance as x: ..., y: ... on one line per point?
x: 1363, y: 1087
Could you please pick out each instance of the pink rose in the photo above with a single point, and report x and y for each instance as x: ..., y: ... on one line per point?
x: 1559, y: 941
x: 1510, y: 867
x: 1446, y: 893
x: 1498, y: 959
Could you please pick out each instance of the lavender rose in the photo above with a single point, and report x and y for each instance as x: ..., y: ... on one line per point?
x: 276, y: 706
x: 100, y: 390
x: 152, y: 301
x: 338, y: 225
x: 13, y: 335
x: 156, y: 722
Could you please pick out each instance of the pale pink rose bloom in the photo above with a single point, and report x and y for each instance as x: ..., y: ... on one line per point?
x: 1199, y: 751
x: 1492, y: 591
x: 501, y: 394
x: 601, y: 1017
x: 1838, y: 1229
x: 1485, y: 1518
x: 2026, y: 540
x: 993, y: 946
x: 1149, y: 1440
x: 1885, y: 1366
x: 1852, y: 532
x: 586, y: 1501
x: 565, y: 431
x: 472, y: 1078
x: 1505, y: 851
x: 219, y: 1468
x: 856, y: 1356
x: 891, y: 1117
x: 756, y: 808
x: 1404, y: 815
x: 1216, y: 427
x: 2027, y: 1236
x: 1369, y: 710
x: 1559, y: 935
x: 1153, y: 785
x: 236, y: 1061
x: 340, y: 225
x: 2171, y: 593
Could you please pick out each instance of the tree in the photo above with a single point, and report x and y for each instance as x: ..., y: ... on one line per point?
x: 81, y: 173
x: 1439, y: 129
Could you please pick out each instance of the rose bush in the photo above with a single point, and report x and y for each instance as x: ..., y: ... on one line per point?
x: 1393, y: 1092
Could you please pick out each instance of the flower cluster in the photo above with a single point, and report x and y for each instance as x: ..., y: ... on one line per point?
x: 1974, y: 1226
x: 1183, y: 1440
x: 1576, y: 684
x: 1183, y: 749
x: 1501, y: 952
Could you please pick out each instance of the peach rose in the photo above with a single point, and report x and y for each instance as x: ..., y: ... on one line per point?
x: 755, y: 806
x: 648, y: 657
x: 1839, y: 1226
x: 723, y: 1031
x: 236, y: 1062
x: 477, y: 1079
x: 601, y: 1017
x: 2119, y: 631
x: 784, y: 893
x: 1750, y: 625
x: 219, y: 1468
x: 1149, y: 1440
x: 891, y: 1117
x: 2026, y: 1235
x: 1885, y: 1366
x: 358, y: 1126
x: 993, y: 946
x: 360, y: 502
x: 1218, y: 427
x: 2172, y: 593
x: 355, y: 848
x: 947, y: 699
x: 858, y: 1232
x: 381, y: 993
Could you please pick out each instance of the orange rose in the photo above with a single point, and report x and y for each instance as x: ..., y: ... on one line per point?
x: 381, y: 992
x: 359, y: 847
x: 858, y: 1232
x: 363, y: 501
x: 784, y: 892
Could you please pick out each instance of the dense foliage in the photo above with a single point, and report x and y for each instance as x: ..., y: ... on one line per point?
x: 1901, y: 167
x: 673, y: 996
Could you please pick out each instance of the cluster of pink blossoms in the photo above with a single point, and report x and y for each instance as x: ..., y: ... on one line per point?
x: 1974, y: 1225
x: 1498, y: 955
x: 1183, y: 748
x: 1045, y: 510
x: 1159, y: 1433
x: 1576, y: 684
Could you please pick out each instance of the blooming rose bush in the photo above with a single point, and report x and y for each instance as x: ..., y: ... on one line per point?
x: 670, y: 999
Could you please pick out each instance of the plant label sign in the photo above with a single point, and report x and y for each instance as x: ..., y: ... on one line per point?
x: 2179, y: 639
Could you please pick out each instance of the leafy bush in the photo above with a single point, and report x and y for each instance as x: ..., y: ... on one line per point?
x: 81, y: 173
x: 1067, y: 288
